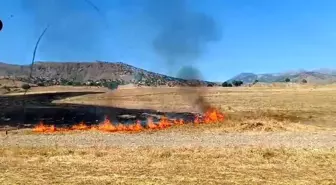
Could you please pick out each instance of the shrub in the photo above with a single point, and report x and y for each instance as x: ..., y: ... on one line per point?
x: 304, y: 81
x: 287, y: 80
x: 226, y: 84
x: 112, y: 85
x: 41, y: 84
x: 25, y: 86
x: 76, y: 84
x: 237, y: 83
x: 69, y: 83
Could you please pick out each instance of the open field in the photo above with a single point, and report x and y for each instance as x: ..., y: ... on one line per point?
x: 147, y: 165
x: 308, y: 105
x: 279, y: 135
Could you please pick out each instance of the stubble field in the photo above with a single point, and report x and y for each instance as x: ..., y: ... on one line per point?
x: 271, y: 135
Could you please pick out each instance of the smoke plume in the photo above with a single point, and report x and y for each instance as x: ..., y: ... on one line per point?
x: 182, y: 38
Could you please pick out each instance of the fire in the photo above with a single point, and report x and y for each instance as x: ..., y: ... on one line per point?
x: 80, y: 126
x: 107, y: 126
x: 41, y: 127
x: 210, y: 117
x: 213, y: 116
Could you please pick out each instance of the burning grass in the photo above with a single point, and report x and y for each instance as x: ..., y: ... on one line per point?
x: 31, y: 165
x: 185, y: 157
x: 210, y: 117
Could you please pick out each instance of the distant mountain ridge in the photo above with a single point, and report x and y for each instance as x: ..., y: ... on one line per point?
x: 314, y: 76
x: 54, y: 73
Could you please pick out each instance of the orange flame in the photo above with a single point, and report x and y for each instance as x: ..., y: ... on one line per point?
x: 80, y: 126
x: 41, y: 127
x: 210, y: 117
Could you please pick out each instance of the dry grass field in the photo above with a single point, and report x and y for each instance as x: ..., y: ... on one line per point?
x: 271, y: 135
x: 307, y: 105
x: 166, y: 166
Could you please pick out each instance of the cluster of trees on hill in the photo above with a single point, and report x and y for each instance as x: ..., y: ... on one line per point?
x: 114, y: 84
x: 304, y: 81
x: 234, y: 83
x: 109, y: 84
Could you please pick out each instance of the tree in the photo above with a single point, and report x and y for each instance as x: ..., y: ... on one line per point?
x: 225, y: 84
x: 287, y: 80
x: 64, y: 82
x: 237, y: 83
x: 255, y: 81
x: 112, y: 85
x: 304, y: 81
x: 69, y: 83
x: 76, y: 84
x: 25, y: 86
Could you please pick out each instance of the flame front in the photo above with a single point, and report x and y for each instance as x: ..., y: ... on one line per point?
x: 210, y: 117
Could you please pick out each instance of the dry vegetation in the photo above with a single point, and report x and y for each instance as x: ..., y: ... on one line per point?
x: 278, y: 106
x: 167, y: 166
x: 200, y: 156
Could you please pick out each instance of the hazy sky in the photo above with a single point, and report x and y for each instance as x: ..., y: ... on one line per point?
x: 252, y: 36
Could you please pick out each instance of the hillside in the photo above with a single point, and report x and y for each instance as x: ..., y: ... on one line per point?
x: 54, y: 73
x: 320, y: 76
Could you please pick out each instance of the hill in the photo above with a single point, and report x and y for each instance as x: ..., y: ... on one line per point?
x: 320, y: 76
x: 58, y: 73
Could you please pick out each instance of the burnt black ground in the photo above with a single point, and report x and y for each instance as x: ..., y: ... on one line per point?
x: 39, y: 107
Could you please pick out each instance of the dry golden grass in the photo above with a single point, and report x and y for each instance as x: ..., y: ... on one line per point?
x: 167, y: 166
x: 274, y: 109
x: 59, y: 89
x: 308, y: 105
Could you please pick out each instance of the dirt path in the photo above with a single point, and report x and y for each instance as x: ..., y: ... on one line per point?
x: 325, y: 139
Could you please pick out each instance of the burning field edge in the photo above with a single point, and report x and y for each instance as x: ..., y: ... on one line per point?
x: 211, y: 116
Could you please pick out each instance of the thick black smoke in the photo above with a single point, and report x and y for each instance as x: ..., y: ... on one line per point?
x: 183, y: 35
x: 74, y: 26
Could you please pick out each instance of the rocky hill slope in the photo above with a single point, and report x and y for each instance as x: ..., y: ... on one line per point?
x: 317, y: 76
x: 55, y: 73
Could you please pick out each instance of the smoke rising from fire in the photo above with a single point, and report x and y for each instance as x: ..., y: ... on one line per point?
x: 182, y: 38
x: 183, y: 33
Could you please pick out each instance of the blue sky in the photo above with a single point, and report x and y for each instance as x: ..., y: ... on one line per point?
x: 256, y: 36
